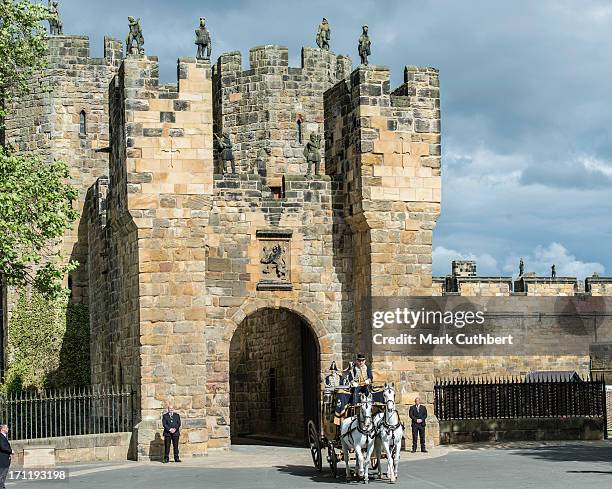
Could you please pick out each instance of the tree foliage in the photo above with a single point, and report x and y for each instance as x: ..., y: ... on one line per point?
x: 47, y: 343
x: 35, y: 210
x: 22, y: 47
x: 35, y: 200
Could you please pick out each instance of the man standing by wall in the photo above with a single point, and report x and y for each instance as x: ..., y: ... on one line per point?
x: 5, y: 454
x: 171, y: 422
x: 418, y: 415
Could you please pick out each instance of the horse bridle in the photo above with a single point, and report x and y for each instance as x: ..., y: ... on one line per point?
x: 361, y: 421
x: 390, y: 409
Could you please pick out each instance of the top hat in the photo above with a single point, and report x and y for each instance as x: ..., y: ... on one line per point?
x: 333, y: 367
x: 361, y: 356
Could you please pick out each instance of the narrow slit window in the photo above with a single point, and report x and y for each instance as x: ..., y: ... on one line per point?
x: 83, y: 123
x: 299, y: 131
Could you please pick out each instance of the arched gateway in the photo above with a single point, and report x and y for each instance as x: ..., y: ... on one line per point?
x: 274, y: 377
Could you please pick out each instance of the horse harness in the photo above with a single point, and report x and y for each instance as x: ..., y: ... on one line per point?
x: 369, y: 433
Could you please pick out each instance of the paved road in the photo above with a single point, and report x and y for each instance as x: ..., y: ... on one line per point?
x: 553, y: 465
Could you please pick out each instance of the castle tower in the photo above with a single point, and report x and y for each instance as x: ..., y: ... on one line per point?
x: 384, y: 148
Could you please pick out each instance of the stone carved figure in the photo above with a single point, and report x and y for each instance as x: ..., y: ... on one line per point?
x: 225, y: 150
x: 553, y: 271
x: 56, y: 28
x: 134, y: 37
x: 203, y: 40
x: 313, y: 154
x: 274, y: 261
x: 364, y: 46
x: 261, y: 162
x: 324, y: 35
x: 521, y: 268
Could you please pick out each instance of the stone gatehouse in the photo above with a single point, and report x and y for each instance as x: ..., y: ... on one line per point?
x: 230, y: 294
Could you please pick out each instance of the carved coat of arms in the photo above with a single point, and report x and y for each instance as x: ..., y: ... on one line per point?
x: 274, y: 261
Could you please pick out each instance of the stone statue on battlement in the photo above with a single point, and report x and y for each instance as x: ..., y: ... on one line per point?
x: 553, y: 271
x: 203, y: 40
x: 324, y: 35
x: 364, y: 46
x: 312, y: 152
x: 56, y: 28
x: 135, y: 40
x: 521, y: 268
x: 225, y: 150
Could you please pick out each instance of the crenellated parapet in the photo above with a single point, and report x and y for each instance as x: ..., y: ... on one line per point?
x: 272, y: 106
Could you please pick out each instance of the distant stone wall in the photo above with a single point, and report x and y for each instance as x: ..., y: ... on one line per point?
x: 523, y: 429
x: 266, y: 377
x: 492, y: 288
x: 470, y: 367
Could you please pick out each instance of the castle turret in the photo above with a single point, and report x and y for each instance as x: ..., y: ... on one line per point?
x: 384, y: 148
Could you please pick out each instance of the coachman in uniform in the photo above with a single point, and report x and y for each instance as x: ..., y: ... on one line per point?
x: 360, y: 377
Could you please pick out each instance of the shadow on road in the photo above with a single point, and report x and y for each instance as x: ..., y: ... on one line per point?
x: 609, y: 472
x: 595, y: 451
x: 570, y: 453
x: 311, y: 472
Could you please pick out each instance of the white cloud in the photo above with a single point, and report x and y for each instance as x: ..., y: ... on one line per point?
x: 596, y: 165
x: 566, y: 264
x: 442, y: 258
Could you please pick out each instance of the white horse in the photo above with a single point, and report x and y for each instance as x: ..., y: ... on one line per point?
x: 358, y: 432
x: 389, y: 429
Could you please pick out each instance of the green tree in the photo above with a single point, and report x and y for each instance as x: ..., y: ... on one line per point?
x: 22, y: 47
x: 35, y: 210
x: 35, y: 200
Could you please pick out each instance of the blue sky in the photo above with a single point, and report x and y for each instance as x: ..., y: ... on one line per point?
x: 526, y: 105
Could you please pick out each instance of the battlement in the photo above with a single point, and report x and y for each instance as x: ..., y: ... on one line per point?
x: 70, y: 50
x: 168, y: 137
x: 274, y: 59
x: 272, y: 106
x: 463, y: 281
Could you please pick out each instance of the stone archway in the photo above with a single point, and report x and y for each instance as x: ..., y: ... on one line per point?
x: 274, y: 376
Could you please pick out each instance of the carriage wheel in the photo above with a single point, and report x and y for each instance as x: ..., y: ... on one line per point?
x: 315, y: 445
x: 332, y: 458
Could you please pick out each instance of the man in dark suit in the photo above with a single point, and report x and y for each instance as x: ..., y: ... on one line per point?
x: 171, y: 422
x: 418, y: 415
x: 5, y: 454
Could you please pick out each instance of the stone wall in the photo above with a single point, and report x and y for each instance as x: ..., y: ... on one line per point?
x: 272, y: 106
x: 79, y: 448
x: 266, y: 376
x: 47, y: 123
x: 504, y: 367
x: 494, y: 287
x: 601, y: 286
x: 547, y: 286
x: 524, y: 429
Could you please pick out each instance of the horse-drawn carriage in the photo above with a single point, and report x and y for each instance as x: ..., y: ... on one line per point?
x: 349, y: 428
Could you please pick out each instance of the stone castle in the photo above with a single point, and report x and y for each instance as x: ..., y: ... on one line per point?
x: 230, y: 294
